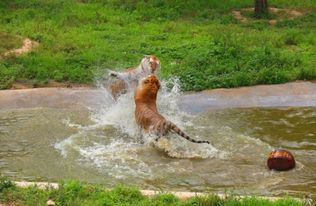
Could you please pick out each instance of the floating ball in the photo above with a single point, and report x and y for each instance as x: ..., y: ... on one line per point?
x: 280, y: 160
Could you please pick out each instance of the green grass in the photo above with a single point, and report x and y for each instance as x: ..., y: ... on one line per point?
x: 198, y: 41
x: 9, y: 42
x: 74, y: 193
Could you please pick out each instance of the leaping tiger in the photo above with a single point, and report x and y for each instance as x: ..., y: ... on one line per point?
x: 147, y: 115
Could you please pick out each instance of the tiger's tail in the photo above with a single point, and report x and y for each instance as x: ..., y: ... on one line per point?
x: 176, y: 129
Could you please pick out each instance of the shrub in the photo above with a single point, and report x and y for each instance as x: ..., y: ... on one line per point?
x: 5, y: 183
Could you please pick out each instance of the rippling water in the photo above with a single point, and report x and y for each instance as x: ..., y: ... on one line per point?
x: 102, y: 145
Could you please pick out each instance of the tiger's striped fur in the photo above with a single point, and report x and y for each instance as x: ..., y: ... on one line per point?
x: 147, y: 115
x: 168, y: 126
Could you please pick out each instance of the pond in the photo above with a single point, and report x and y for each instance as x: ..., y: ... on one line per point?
x: 101, y: 145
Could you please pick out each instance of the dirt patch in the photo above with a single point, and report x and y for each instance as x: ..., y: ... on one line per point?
x: 27, y: 46
x: 291, y: 13
x: 237, y: 15
x: 273, y: 22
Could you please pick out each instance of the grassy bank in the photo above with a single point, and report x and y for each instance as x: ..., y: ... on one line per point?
x: 74, y: 193
x: 198, y: 41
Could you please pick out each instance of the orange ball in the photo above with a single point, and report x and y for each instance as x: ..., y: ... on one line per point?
x: 280, y: 160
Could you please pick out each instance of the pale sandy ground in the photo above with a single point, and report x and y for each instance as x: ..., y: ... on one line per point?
x: 27, y: 46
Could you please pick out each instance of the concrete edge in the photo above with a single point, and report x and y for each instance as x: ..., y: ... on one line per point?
x: 151, y: 193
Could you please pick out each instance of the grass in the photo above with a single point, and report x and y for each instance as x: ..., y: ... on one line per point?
x: 198, y: 41
x: 74, y: 193
x: 9, y: 42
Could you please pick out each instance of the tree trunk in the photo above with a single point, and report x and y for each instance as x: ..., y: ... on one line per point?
x: 261, y: 8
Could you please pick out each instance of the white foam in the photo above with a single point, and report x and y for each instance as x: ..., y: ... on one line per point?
x: 120, y: 114
x: 117, y: 159
x: 64, y: 145
x: 176, y: 147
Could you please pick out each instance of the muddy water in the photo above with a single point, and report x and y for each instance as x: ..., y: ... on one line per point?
x: 102, y: 145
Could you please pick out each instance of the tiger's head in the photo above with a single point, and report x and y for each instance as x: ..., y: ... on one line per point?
x: 148, y: 88
x: 150, y: 64
x: 150, y: 82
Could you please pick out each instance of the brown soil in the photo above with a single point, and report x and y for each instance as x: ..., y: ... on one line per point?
x: 27, y: 46
x: 237, y: 15
x: 291, y: 12
x: 273, y: 22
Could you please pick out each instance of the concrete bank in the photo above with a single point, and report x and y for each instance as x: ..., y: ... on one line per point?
x: 295, y: 94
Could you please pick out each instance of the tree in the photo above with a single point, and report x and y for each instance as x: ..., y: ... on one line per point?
x: 261, y: 8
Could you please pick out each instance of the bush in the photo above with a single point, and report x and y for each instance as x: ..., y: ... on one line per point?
x: 5, y: 183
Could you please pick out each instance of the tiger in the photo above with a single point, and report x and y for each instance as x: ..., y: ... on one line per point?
x: 129, y: 78
x: 147, y: 115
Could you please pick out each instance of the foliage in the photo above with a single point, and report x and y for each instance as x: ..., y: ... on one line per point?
x: 199, y: 41
x: 9, y: 42
x: 5, y: 184
x: 74, y: 193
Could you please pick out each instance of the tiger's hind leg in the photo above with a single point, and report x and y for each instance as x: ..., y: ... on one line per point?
x: 162, y: 130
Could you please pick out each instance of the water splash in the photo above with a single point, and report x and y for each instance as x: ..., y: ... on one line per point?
x: 113, y: 144
x: 176, y: 147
